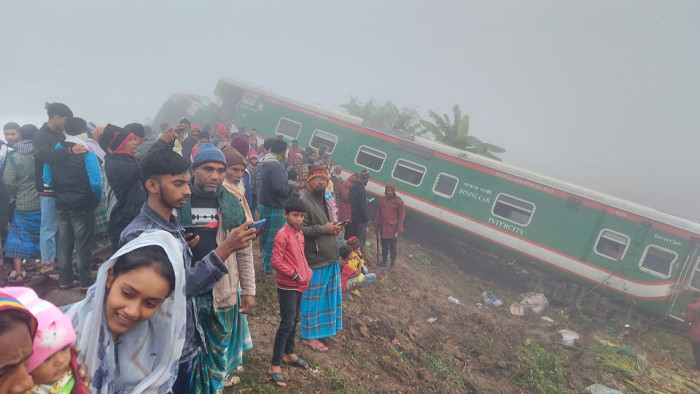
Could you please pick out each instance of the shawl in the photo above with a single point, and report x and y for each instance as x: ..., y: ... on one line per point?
x: 241, y: 197
x: 24, y: 146
x: 231, y: 209
x: 80, y: 139
x: 149, y: 353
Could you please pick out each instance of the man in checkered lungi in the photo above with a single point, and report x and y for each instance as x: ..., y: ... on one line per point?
x: 274, y: 191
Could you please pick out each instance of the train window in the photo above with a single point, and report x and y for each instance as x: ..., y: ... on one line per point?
x: 513, y: 209
x: 658, y: 261
x: 288, y: 128
x: 445, y: 185
x: 408, y: 171
x: 612, y: 245
x: 370, y: 158
x: 320, y: 138
x: 249, y: 99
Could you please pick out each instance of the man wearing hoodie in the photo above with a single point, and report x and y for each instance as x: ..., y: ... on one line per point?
x: 77, y: 182
x: 274, y: 191
x: 388, y: 222
x: 123, y: 176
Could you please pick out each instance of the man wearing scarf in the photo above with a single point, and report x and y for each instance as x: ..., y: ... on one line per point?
x: 388, y: 221
x: 23, y: 240
x: 273, y: 192
x: 233, y: 181
x: 77, y: 182
x: 321, y: 313
x: 123, y: 176
x: 210, y: 214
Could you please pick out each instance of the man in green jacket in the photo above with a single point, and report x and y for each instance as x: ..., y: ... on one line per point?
x: 321, y: 311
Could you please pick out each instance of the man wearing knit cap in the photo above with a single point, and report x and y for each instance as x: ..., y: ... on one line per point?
x: 123, y: 176
x: 358, y: 207
x: 222, y: 136
x: 233, y: 181
x: 209, y: 215
x: 77, y: 182
x: 321, y: 314
x: 240, y: 143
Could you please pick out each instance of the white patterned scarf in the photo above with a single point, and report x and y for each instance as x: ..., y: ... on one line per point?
x: 149, y: 353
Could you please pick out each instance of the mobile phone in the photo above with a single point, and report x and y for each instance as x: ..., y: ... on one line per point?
x: 179, y: 129
x: 343, y: 223
x: 258, y: 224
x: 189, y: 230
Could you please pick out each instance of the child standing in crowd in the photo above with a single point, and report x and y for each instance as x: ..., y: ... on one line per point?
x: 53, y: 364
x: 131, y: 325
x: 293, y: 276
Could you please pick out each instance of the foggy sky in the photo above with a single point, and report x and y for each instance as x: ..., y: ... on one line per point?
x: 598, y: 93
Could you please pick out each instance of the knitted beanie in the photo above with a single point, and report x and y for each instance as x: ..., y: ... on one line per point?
x: 353, y: 242
x: 241, y: 144
x: 75, y: 126
x: 363, y: 175
x: 55, y: 329
x: 9, y: 302
x: 316, y: 172
x: 207, y: 153
x: 233, y: 157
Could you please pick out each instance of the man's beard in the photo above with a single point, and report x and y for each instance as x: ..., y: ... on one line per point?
x: 239, y: 187
x: 319, y: 192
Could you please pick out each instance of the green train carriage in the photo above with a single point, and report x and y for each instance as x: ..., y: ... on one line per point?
x: 624, y: 251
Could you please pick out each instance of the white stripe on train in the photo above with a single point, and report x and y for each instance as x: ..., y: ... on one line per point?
x: 591, y: 273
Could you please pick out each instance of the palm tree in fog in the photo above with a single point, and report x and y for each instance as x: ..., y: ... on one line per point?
x: 455, y: 133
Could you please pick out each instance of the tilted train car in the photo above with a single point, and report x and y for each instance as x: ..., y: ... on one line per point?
x: 601, y: 248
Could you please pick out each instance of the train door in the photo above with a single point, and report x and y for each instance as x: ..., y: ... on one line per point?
x: 688, y: 281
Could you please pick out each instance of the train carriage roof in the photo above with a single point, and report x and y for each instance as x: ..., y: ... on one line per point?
x: 583, y: 192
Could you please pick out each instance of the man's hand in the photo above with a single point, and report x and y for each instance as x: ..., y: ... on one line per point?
x: 333, y: 228
x: 247, y: 304
x: 237, y: 239
x: 78, y: 149
x: 191, y: 241
x: 168, y: 135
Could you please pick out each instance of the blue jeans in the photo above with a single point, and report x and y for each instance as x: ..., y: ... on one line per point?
x: 48, y: 230
x: 77, y: 228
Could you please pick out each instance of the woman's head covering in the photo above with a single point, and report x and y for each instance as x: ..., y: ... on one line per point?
x: 149, y: 353
x: 10, y: 303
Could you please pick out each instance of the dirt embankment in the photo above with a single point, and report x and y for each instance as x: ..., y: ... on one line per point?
x: 388, y: 344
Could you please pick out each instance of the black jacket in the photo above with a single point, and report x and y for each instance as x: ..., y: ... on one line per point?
x: 45, y: 151
x: 124, y: 178
x: 358, y: 203
x: 77, y: 180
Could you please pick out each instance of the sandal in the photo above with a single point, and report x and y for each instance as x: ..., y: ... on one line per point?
x: 300, y: 363
x: 316, y: 346
x: 68, y: 286
x: 277, y: 378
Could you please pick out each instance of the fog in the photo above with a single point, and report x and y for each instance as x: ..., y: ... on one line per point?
x: 598, y: 93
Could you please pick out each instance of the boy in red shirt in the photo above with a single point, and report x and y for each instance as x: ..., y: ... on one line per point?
x: 293, y: 275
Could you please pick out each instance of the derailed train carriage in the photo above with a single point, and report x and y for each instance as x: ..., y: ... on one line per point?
x: 607, y: 254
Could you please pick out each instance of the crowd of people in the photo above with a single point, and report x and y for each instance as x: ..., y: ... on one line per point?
x: 168, y: 311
